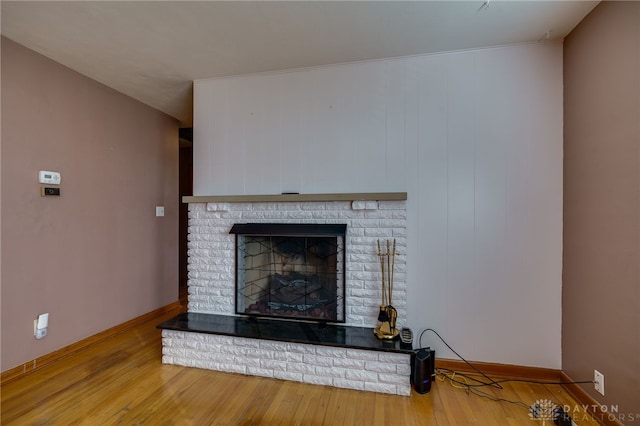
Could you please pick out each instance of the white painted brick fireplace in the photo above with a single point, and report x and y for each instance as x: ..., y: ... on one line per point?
x: 211, y: 250
x: 211, y: 286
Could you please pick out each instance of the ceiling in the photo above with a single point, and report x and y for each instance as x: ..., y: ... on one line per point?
x: 153, y: 50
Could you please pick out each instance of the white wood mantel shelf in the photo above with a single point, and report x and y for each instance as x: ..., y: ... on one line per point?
x: 358, y: 196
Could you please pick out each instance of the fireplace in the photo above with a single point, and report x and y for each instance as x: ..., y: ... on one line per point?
x: 212, y: 250
x: 312, y: 353
x: 288, y: 270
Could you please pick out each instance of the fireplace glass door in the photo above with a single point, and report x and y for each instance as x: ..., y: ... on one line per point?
x: 290, y: 271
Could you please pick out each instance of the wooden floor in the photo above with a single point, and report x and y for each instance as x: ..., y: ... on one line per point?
x: 121, y: 381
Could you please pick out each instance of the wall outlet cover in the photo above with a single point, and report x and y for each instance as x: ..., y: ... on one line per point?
x: 598, y: 382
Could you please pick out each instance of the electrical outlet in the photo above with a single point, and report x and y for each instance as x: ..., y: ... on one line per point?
x: 598, y: 381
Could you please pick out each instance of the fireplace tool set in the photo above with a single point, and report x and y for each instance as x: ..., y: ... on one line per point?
x: 388, y: 314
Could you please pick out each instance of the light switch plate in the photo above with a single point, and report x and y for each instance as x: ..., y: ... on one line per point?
x: 159, y: 211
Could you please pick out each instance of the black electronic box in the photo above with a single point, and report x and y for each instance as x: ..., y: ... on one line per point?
x: 423, y: 369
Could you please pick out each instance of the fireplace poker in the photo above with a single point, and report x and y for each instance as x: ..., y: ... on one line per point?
x: 381, y: 257
x: 389, y: 272
x: 393, y: 267
x: 382, y: 315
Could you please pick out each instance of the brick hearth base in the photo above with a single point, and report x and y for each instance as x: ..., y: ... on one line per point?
x: 384, y: 368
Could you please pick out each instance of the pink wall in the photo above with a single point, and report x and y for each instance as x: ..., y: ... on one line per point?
x: 96, y: 256
x: 601, y: 262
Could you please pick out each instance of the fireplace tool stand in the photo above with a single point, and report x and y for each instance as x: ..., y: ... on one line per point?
x: 388, y: 315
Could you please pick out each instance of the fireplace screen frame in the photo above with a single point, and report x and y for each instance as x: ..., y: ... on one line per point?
x: 293, y: 231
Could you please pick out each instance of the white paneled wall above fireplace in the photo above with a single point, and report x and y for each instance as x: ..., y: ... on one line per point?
x: 473, y: 137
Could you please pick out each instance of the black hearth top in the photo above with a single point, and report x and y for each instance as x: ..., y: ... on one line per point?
x: 282, y: 330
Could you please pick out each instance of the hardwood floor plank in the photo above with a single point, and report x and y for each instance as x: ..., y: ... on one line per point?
x: 122, y: 381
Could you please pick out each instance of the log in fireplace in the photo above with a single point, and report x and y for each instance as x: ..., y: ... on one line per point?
x: 294, y: 271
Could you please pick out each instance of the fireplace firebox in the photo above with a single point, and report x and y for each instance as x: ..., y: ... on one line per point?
x: 293, y: 271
